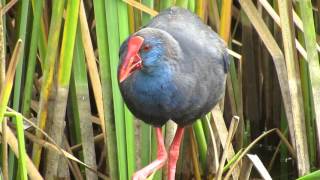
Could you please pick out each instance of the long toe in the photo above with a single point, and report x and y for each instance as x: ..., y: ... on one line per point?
x: 139, y: 175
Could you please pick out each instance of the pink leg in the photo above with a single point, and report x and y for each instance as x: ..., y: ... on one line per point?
x: 174, y: 153
x: 156, y: 164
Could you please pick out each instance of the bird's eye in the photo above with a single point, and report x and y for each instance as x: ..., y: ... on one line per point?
x: 146, y: 48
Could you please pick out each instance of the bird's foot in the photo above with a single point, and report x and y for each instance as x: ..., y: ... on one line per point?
x: 148, y: 170
x: 139, y: 175
x: 171, y: 174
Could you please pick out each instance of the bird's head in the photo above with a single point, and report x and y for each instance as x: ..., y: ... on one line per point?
x: 147, y: 50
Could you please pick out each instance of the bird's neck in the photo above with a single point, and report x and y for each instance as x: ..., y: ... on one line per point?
x: 160, y: 69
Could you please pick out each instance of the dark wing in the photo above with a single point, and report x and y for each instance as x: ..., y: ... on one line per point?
x: 226, y: 61
x: 190, y: 32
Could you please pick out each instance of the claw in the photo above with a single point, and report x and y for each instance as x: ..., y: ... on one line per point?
x: 139, y: 176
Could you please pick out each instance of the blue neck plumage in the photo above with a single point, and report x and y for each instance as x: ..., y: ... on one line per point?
x: 158, y: 71
x: 154, y: 85
x: 154, y: 62
x: 155, y: 69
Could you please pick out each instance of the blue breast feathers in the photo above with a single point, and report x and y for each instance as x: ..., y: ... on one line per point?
x: 155, y: 93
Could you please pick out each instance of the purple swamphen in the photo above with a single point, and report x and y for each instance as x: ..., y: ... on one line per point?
x: 173, y: 68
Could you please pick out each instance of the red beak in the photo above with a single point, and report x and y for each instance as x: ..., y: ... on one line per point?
x: 132, y: 60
